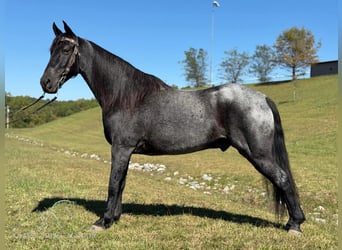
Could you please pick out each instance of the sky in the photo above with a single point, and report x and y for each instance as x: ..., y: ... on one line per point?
x: 153, y: 34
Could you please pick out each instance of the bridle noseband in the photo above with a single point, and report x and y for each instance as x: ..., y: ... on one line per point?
x: 66, y: 71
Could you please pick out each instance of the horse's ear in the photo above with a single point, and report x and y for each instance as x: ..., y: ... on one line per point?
x: 56, y: 29
x: 68, y: 30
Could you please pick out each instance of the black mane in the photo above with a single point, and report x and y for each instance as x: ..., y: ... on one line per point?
x: 118, y: 83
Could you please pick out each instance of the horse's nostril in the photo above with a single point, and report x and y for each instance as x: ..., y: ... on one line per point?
x: 45, y: 82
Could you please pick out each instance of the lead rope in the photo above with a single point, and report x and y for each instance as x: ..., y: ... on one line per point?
x: 30, y: 105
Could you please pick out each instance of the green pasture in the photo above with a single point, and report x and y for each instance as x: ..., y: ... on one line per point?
x: 57, y: 176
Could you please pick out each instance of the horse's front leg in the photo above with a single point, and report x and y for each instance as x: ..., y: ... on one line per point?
x: 120, y: 160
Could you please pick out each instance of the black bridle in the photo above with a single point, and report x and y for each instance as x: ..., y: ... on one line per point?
x: 71, y: 62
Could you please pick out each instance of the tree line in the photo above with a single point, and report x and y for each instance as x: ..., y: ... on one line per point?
x: 294, y: 49
x: 57, y: 109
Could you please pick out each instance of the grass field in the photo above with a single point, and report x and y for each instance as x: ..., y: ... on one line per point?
x: 57, y: 177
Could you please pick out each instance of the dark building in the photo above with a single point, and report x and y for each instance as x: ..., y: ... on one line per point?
x: 324, y: 68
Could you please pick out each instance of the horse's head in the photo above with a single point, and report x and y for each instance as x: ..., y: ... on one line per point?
x: 63, y: 62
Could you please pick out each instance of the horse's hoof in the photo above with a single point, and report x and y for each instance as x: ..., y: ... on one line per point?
x: 294, y: 232
x: 95, y: 228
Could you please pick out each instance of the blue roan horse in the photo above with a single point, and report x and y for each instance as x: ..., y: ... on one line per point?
x: 141, y: 114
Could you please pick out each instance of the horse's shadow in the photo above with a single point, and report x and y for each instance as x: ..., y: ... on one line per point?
x: 97, y: 206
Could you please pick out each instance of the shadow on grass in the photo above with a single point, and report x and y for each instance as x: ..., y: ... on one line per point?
x: 97, y: 207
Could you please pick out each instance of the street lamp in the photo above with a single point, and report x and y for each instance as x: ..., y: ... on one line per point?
x: 215, y: 4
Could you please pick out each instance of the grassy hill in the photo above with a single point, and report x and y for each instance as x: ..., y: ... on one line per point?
x: 58, y: 175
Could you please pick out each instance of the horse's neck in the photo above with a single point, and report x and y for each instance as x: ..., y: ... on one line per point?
x: 115, y: 83
x: 97, y: 68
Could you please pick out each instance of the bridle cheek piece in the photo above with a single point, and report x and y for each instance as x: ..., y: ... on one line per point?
x: 71, y: 60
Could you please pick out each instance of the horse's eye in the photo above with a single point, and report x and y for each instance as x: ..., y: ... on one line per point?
x: 66, y: 50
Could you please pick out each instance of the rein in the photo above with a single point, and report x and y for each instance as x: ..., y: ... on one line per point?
x: 30, y: 105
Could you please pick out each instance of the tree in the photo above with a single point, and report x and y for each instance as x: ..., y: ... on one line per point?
x: 263, y: 62
x: 195, y: 66
x: 296, y: 49
x: 233, y: 66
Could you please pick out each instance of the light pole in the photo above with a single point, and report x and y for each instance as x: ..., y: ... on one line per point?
x: 215, y: 4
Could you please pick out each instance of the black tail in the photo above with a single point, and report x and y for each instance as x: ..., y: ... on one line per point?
x: 281, y: 157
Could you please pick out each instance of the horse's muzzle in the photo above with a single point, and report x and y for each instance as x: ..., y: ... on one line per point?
x: 49, y: 86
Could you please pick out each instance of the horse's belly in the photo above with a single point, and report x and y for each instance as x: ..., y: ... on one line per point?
x: 168, y: 148
x: 172, y: 139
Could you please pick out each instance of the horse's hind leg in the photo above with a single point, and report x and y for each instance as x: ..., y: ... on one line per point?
x: 268, y: 155
x: 258, y: 135
x: 284, y: 187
